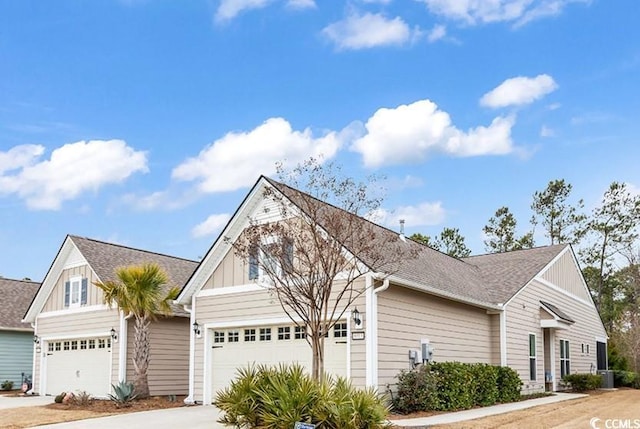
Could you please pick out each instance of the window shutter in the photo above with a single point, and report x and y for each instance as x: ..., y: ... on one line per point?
x: 253, y: 264
x: 83, y: 292
x: 67, y: 293
x: 288, y: 255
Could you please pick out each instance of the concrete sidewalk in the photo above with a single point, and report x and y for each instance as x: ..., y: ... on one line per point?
x: 24, y: 401
x: 477, y: 413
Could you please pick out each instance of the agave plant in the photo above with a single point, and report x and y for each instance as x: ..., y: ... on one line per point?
x: 123, y: 394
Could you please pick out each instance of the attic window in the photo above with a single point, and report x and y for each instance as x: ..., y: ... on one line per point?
x: 75, y: 292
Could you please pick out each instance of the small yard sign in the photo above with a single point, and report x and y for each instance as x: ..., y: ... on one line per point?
x: 300, y: 425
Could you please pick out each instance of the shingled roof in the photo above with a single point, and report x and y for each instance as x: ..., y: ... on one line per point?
x: 105, y: 258
x: 485, y: 279
x: 16, y: 297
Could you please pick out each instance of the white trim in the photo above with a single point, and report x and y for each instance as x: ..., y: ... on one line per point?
x: 192, y: 350
x: 374, y: 332
x: 75, y: 264
x: 229, y: 290
x: 206, y: 371
x: 98, y: 334
x: 76, y: 310
x: 33, y: 364
x: 347, y: 315
x: 535, y: 342
x: 251, y: 322
x: 601, y: 339
x: 368, y: 335
x: 552, y: 359
x: 72, y: 280
x: 503, y: 338
x: 563, y: 291
x: 122, y: 348
x: 554, y: 324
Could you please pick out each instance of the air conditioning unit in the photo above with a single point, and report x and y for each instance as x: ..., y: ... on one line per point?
x: 607, y: 379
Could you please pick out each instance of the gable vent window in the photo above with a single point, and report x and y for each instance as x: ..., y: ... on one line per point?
x: 75, y: 292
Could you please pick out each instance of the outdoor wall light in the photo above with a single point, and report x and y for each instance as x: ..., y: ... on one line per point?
x: 114, y: 335
x: 356, y: 317
x: 196, y: 329
x: 36, y: 339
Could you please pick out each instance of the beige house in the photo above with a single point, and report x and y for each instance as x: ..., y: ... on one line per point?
x: 529, y: 310
x: 82, y: 344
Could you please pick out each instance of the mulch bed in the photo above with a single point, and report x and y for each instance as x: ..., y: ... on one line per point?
x: 106, y: 406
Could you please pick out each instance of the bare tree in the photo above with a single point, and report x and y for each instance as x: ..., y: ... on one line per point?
x: 314, y: 256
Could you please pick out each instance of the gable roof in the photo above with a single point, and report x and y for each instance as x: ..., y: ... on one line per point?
x: 484, y: 280
x: 504, y: 274
x: 104, y: 259
x: 16, y: 297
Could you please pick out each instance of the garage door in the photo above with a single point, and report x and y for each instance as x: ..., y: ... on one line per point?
x: 271, y: 345
x: 79, y: 365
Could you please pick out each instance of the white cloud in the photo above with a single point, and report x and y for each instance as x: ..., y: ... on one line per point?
x: 547, y: 132
x: 301, y: 4
x: 520, y: 12
x: 211, y: 225
x: 229, y: 9
x: 73, y: 169
x: 554, y: 106
x: 19, y: 156
x: 518, y: 91
x: 235, y: 160
x: 437, y: 33
x: 368, y: 31
x: 422, y: 214
x: 410, y: 132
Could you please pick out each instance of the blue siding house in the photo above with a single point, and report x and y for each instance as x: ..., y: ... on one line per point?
x: 16, y: 338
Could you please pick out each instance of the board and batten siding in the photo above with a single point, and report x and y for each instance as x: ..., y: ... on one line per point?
x: 232, y: 271
x: 77, y: 325
x: 523, y: 318
x: 456, y: 331
x: 563, y: 273
x: 55, y: 301
x: 16, y: 356
x: 246, y: 307
x: 168, y: 372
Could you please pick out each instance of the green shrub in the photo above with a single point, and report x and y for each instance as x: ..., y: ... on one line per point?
x: 123, y: 394
x: 58, y: 399
x: 278, y: 397
x: 509, y: 385
x: 416, y: 391
x: 456, y: 386
x: 625, y: 378
x: 486, y: 384
x: 6, y: 385
x: 583, y: 382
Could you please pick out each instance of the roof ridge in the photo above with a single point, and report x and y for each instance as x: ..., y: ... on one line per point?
x: 547, y: 246
x: 130, y: 248
x: 272, y: 181
x: 21, y: 281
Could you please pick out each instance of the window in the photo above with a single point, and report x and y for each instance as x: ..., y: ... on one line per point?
x: 92, y: 344
x: 65, y: 345
x: 83, y: 344
x: 108, y: 343
x: 101, y: 344
x: 265, y: 334
x: 58, y: 346
x: 340, y: 330
x: 284, y: 333
x: 233, y: 336
x: 587, y: 348
x: 532, y: 357
x: 267, y: 257
x: 565, y: 358
x: 74, y: 345
x: 218, y: 337
x: 50, y: 347
x: 249, y: 334
x: 300, y: 333
x: 75, y: 292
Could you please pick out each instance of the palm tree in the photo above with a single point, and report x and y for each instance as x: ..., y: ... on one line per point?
x: 139, y: 292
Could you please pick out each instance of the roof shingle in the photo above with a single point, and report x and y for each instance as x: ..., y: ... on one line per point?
x: 16, y: 298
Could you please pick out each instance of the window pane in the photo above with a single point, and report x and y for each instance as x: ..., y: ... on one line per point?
x: 532, y: 345
x: 532, y: 369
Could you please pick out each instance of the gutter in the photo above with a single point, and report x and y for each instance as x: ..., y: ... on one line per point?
x: 372, y: 326
x: 189, y: 400
x: 122, y: 349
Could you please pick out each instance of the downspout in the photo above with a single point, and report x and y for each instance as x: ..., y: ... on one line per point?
x: 503, y: 335
x: 122, y: 349
x: 373, y: 332
x: 189, y: 400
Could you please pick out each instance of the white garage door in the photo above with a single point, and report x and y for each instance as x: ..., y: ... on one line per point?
x: 79, y: 365
x: 238, y: 347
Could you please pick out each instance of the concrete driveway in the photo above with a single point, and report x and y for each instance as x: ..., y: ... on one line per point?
x: 196, y: 417
x: 24, y: 401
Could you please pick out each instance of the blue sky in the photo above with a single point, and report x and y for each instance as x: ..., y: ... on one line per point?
x: 145, y: 122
